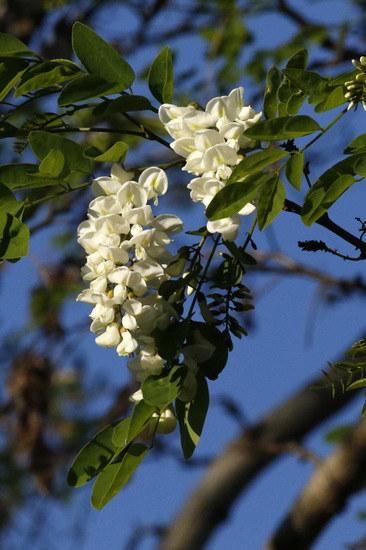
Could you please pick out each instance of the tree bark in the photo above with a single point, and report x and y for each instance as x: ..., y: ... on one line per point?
x: 333, y: 482
x: 230, y: 473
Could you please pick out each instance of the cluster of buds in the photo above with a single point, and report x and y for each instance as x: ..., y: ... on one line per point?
x: 211, y: 141
x: 356, y: 88
x: 127, y: 260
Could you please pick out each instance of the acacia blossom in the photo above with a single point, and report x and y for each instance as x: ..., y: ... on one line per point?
x: 211, y: 141
x: 127, y: 260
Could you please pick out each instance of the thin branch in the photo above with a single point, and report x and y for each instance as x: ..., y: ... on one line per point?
x: 326, y: 222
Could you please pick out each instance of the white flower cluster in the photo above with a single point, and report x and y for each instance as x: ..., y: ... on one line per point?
x: 126, y: 263
x: 356, y: 88
x: 210, y: 141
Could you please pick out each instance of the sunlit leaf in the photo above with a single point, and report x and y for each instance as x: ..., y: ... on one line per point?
x: 270, y: 100
x: 100, y: 58
x: 11, y: 46
x: 294, y: 170
x: 24, y: 176
x: 116, y: 475
x: 14, y: 237
x: 141, y: 417
x: 313, y: 84
x: 255, y: 163
x: 161, y: 76
x: 46, y: 74
x: 270, y: 201
x: 116, y: 153
x: 283, y: 128
x: 232, y: 198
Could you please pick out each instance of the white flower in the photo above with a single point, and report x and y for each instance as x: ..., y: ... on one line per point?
x: 110, y: 186
x: 155, y: 181
x: 111, y: 337
x: 228, y: 227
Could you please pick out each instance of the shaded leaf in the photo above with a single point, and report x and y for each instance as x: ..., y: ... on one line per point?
x: 298, y: 60
x: 191, y: 417
x: 43, y: 142
x: 140, y: 419
x: 122, y: 104
x: 84, y: 88
x: 24, y: 176
x: 94, y: 456
x: 217, y: 362
x: 10, y: 72
x: 170, y: 341
x: 161, y: 390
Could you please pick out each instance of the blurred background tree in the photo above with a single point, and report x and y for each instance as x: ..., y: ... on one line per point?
x: 53, y: 398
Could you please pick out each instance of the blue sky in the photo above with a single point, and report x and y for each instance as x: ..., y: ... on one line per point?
x: 295, y: 334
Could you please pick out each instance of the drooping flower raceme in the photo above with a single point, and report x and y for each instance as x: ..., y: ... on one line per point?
x: 127, y: 260
x: 210, y: 140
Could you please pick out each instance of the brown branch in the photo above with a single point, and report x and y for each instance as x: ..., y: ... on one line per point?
x: 326, y: 494
x: 244, y: 459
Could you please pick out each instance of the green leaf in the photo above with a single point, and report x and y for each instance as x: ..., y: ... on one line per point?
x: 54, y: 165
x: 24, y: 176
x: 229, y: 273
x: 43, y: 142
x: 314, y: 85
x: 100, y: 58
x: 124, y: 432
x: 161, y: 390
x: 85, y: 88
x: 357, y: 145
x: 299, y: 60
x: 14, y: 237
x: 116, y: 153
x: 7, y: 130
x: 161, y: 76
x: 360, y: 167
x: 232, y: 198
x: 255, y: 163
x: 191, y: 417
x: 294, y: 102
x: 123, y: 104
x: 270, y: 201
x: 334, y: 99
x: 270, y: 100
x: 94, y: 457
x: 49, y: 73
x: 327, y: 189
x: 342, y: 78
x: 10, y: 46
x: 10, y: 72
x: 7, y: 200
x: 357, y: 384
x: 217, y: 362
x: 170, y: 341
x: 239, y: 254
x: 283, y: 128
x: 294, y: 168
x: 116, y: 475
